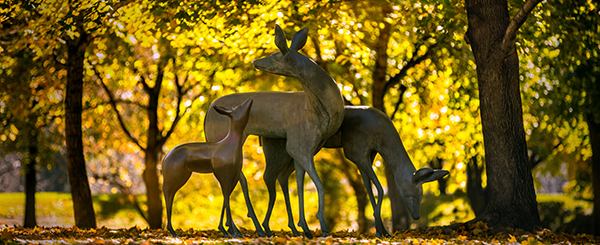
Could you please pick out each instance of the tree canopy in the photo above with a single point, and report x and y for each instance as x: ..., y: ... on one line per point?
x: 152, y: 68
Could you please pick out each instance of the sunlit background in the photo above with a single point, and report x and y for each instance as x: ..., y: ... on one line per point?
x: 207, y: 48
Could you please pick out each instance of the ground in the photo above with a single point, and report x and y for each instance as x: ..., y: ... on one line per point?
x: 475, y: 234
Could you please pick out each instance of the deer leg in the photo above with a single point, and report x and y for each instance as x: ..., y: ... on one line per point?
x: 251, y: 213
x: 221, y: 228
x: 308, y: 165
x: 300, y: 185
x: 174, y: 179
x: 369, y: 177
x: 303, y: 154
x: 276, y: 159
x: 283, y: 182
x: 379, y: 227
x: 233, y: 230
x: 227, y: 179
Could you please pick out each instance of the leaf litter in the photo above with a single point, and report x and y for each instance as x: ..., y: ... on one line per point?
x: 477, y: 233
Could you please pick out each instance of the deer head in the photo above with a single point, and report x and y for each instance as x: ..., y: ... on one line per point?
x: 412, y: 191
x: 287, y: 62
x: 238, y: 114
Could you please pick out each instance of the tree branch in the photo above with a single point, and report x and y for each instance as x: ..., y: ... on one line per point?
x: 410, y: 64
x: 144, y: 83
x: 113, y: 103
x: 178, y: 116
x: 517, y: 21
x: 402, y: 90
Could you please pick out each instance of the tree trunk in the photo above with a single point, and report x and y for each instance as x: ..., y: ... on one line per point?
x: 153, y: 149
x: 150, y: 177
x: 511, y: 195
x: 30, y: 168
x: 80, y: 188
x: 153, y: 190
x: 475, y: 191
x: 594, y: 128
x: 30, y: 185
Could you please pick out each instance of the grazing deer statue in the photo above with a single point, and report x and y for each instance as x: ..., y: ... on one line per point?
x: 305, y: 118
x: 223, y: 159
x: 365, y: 132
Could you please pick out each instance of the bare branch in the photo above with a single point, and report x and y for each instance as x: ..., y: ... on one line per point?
x: 410, y: 64
x: 113, y: 103
x: 145, y: 85
x: 402, y: 90
x: 517, y: 21
x: 178, y: 117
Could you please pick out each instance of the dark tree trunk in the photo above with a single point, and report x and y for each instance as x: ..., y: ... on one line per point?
x: 30, y: 169
x: 511, y: 195
x: 594, y: 128
x: 475, y: 191
x: 150, y: 174
x: 80, y: 188
x: 30, y: 185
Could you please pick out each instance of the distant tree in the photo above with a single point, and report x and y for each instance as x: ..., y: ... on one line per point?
x: 491, y: 34
x: 28, y: 105
x: 58, y: 32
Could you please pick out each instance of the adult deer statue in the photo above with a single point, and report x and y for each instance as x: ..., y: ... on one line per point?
x: 224, y: 159
x: 305, y: 118
x: 365, y: 132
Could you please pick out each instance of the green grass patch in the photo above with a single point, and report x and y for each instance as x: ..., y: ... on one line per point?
x: 56, y: 209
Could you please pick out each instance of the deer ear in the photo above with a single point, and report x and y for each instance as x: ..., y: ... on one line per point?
x: 437, y: 174
x: 222, y: 110
x: 299, y: 39
x: 280, y: 40
x: 421, y: 175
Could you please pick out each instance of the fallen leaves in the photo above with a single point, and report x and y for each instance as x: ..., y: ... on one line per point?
x: 477, y: 233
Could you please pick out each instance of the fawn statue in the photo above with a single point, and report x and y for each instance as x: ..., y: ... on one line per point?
x: 224, y: 159
x: 365, y: 132
x: 306, y: 119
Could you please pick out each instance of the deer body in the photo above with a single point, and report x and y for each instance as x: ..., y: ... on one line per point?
x: 365, y: 132
x: 280, y: 108
x: 305, y: 118
x: 224, y: 159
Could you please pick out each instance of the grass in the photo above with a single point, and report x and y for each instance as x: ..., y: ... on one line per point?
x: 56, y: 209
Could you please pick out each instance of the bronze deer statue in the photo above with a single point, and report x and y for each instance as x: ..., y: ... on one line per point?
x: 224, y: 159
x: 305, y: 118
x: 365, y: 132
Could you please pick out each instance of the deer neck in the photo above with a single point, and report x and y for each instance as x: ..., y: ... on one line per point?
x: 393, y: 152
x: 322, y: 92
x: 234, y: 135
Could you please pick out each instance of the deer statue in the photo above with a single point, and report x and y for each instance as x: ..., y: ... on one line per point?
x: 305, y: 118
x: 224, y: 159
x: 365, y: 132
